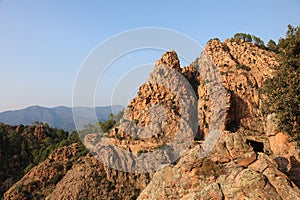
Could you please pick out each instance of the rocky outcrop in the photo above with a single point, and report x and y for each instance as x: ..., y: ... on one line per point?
x: 243, y: 68
x: 67, y: 175
x: 170, y: 59
x: 90, y: 179
x: 233, y: 170
x: 158, y: 125
x: 251, y: 160
x: 215, y: 98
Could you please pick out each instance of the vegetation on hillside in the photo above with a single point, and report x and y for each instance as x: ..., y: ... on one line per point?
x: 102, y: 127
x: 23, y: 147
x: 283, y: 90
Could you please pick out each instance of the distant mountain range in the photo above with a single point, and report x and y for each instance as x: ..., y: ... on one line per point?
x: 59, y: 117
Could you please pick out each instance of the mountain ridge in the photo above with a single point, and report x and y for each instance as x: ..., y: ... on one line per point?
x: 59, y: 117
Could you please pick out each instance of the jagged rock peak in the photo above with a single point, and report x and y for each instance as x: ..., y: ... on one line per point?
x: 170, y: 58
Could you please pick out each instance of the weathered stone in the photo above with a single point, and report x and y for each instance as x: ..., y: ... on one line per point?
x: 250, y: 160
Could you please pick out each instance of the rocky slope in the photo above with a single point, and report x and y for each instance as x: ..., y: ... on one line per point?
x: 251, y: 160
x: 67, y: 175
x: 22, y: 147
x: 233, y: 170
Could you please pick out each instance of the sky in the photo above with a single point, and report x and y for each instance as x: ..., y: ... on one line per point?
x: 45, y: 44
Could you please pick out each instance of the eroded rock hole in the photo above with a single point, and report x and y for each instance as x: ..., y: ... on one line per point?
x: 257, y: 146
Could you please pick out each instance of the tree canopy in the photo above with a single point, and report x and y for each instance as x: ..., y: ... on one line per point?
x: 245, y: 37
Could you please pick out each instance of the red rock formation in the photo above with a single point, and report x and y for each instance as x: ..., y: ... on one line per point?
x: 251, y: 160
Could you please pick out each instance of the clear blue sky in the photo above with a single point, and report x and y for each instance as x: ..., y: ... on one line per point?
x: 43, y: 43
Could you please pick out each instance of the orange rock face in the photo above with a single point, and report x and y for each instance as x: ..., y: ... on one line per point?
x: 250, y: 160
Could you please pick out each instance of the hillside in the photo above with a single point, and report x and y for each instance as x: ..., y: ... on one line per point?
x: 23, y: 147
x: 60, y: 117
x: 252, y: 158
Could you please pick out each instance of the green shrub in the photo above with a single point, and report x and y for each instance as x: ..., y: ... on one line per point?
x: 55, y: 179
x: 242, y: 37
x: 258, y: 42
x: 283, y: 89
x: 272, y: 46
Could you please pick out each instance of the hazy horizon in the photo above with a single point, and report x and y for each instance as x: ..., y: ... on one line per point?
x: 23, y: 108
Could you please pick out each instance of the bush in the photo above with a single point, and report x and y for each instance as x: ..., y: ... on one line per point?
x: 245, y: 37
x: 272, y: 46
x: 107, y: 125
x: 242, y: 37
x: 69, y: 165
x: 258, y: 42
x: 56, y: 178
x: 213, y: 39
x: 28, y: 168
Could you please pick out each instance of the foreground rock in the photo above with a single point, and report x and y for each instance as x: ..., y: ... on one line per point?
x: 233, y: 170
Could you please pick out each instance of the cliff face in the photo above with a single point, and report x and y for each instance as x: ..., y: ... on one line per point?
x: 243, y: 68
x: 250, y: 160
x: 157, y: 126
